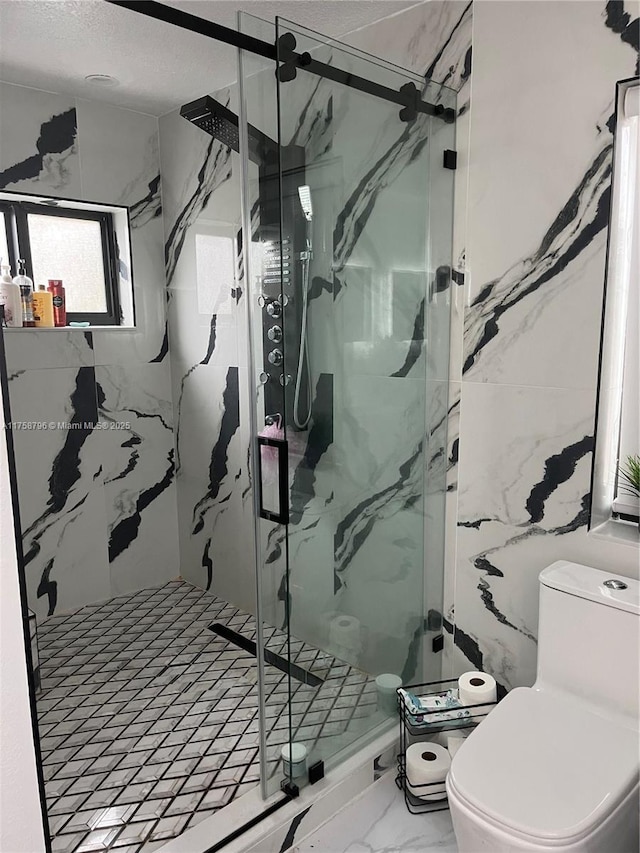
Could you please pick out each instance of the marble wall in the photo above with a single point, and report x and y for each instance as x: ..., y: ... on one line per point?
x: 539, y: 184
x: 96, y: 491
x: 207, y: 331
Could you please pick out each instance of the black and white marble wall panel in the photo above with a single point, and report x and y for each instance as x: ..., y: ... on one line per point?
x: 39, y: 348
x: 537, y: 221
x: 97, y: 502
x: 121, y: 165
x: 60, y: 486
x: 201, y: 199
x: 136, y: 416
x: 38, y: 142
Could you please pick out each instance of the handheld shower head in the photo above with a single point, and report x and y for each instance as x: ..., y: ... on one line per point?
x: 305, y: 202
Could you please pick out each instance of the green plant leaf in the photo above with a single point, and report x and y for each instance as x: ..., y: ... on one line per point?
x: 630, y: 475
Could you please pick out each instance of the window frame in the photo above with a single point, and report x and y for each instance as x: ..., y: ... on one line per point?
x: 612, y: 514
x: 19, y: 244
x: 5, y: 213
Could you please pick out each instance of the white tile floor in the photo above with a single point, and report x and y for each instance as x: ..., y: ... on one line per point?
x: 378, y: 822
x: 148, y: 720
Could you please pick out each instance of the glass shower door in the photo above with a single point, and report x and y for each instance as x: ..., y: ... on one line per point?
x: 367, y: 478
x: 354, y: 576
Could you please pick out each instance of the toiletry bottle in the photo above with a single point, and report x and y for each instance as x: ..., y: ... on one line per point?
x: 43, y: 308
x: 59, y: 308
x: 11, y: 299
x: 26, y: 293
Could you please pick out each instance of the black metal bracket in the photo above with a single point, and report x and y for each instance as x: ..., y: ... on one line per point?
x: 410, y: 111
x: 290, y: 788
x: 407, y: 97
x: 458, y: 277
x: 437, y: 644
x: 450, y: 159
x: 288, y: 69
x: 316, y: 772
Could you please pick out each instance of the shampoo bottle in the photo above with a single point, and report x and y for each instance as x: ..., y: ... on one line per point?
x: 43, y: 308
x: 26, y: 293
x: 56, y: 289
x: 11, y: 299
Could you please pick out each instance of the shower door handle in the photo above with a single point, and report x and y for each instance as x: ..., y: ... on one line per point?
x: 273, y: 479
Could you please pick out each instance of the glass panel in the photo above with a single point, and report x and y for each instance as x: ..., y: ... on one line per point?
x: 367, y: 328
x: 266, y: 296
x: 70, y: 249
x: 215, y: 276
x: 349, y: 291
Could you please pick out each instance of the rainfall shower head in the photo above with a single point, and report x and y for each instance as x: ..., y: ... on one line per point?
x: 218, y: 121
x: 215, y: 119
x: 305, y: 202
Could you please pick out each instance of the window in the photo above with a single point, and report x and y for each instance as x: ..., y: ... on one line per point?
x: 214, y: 273
x: 618, y: 422
x: 71, y: 241
x: 215, y: 250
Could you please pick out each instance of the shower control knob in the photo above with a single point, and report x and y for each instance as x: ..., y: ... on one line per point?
x: 285, y: 378
x: 284, y: 299
x: 275, y: 357
x: 274, y: 309
x: 275, y: 334
x: 261, y: 301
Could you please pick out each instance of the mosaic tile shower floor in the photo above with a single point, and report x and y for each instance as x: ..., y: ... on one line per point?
x: 149, y: 721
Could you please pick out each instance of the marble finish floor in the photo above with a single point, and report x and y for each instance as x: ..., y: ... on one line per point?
x: 378, y: 822
x: 149, y: 720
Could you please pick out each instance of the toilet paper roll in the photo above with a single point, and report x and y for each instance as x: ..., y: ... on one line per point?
x: 427, y: 765
x: 387, y: 685
x: 294, y: 759
x: 344, y: 632
x: 476, y: 688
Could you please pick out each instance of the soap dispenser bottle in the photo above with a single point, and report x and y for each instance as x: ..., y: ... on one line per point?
x: 43, y: 308
x: 26, y: 294
x: 11, y: 299
x: 56, y: 289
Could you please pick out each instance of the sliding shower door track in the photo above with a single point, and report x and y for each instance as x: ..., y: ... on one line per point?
x: 407, y: 97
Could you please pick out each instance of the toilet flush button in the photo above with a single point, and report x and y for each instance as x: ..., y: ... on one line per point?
x: 614, y: 584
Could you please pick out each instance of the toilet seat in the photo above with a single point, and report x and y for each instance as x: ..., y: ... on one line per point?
x: 543, y: 768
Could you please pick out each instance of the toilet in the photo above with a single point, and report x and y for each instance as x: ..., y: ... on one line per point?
x: 554, y: 767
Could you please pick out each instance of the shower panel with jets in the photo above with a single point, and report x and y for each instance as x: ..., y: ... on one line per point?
x: 285, y: 258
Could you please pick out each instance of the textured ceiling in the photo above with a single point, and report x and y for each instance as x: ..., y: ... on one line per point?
x: 54, y: 44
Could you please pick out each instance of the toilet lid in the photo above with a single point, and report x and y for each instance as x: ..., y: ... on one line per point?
x: 544, y: 766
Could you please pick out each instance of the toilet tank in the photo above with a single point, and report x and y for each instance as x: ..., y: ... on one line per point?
x: 589, y: 637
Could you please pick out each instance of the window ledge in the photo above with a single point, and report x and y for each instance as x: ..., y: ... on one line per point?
x: 71, y: 329
x: 619, y: 531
